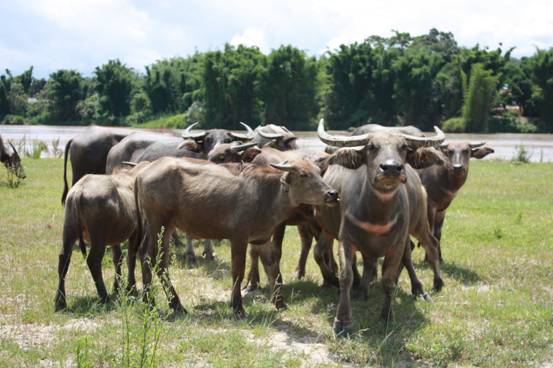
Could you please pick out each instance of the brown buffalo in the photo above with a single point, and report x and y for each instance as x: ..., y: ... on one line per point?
x: 276, y: 136
x: 101, y: 210
x: 443, y: 181
x: 209, y: 201
x: 382, y: 203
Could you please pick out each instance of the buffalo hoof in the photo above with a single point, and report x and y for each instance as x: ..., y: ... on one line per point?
x: 251, y: 287
x: 191, y: 258
x: 60, y: 305
x: 387, y: 316
x: 426, y: 297
x: 239, y: 313
x: 209, y: 256
x: 300, y: 274
x: 178, y: 309
x: 360, y: 293
x: 438, y: 284
x: 280, y: 304
x: 417, y: 290
x: 342, y: 329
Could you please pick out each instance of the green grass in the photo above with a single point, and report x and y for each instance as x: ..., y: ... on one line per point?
x: 496, y: 309
x: 177, y: 121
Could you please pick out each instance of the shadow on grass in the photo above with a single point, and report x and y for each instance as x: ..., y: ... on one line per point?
x: 455, y: 271
x: 87, y: 305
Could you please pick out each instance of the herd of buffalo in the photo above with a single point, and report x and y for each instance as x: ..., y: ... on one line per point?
x: 373, y: 190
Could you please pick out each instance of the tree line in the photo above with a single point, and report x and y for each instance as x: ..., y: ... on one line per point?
x: 420, y: 80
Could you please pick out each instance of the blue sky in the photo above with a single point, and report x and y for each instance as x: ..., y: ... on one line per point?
x: 82, y: 34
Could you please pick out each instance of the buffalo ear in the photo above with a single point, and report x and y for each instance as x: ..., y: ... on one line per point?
x: 425, y: 156
x: 350, y: 158
x: 249, y: 154
x: 190, y: 145
x: 481, y: 152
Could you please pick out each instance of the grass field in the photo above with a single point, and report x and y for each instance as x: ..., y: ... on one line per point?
x: 496, y: 309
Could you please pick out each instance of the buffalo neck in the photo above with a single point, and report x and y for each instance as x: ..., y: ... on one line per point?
x: 385, y: 203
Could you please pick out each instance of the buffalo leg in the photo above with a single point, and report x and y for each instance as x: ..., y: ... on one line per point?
x: 117, y: 256
x: 322, y: 248
x: 163, y: 273
x: 190, y: 255
x: 64, y: 259
x: 306, y: 242
x: 342, y: 322
x: 238, y: 255
x: 390, y: 274
x: 253, y: 275
x: 369, y: 268
x: 94, y: 262
x: 278, y: 239
x: 270, y: 259
x: 134, y: 243
x: 208, y: 250
x: 439, y: 222
x: 416, y: 285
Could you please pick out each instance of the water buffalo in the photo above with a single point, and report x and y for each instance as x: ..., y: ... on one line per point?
x: 208, y: 201
x: 11, y: 161
x: 442, y: 182
x: 100, y: 209
x: 302, y: 216
x: 88, y: 152
x: 141, y: 146
x: 382, y: 203
x: 276, y: 136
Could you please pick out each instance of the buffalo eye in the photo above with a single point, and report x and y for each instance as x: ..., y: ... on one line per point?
x: 403, y: 147
x: 371, y: 146
x: 303, y: 174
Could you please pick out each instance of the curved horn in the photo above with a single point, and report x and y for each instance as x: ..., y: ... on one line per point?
x: 245, y: 137
x: 269, y: 135
x: 416, y: 141
x: 241, y: 147
x: 130, y: 163
x: 14, y: 150
x: 476, y: 145
x: 187, y: 134
x: 342, y: 140
x: 284, y: 166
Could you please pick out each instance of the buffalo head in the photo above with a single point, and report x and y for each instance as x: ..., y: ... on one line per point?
x: 208, y: 139
x: 304, y: 183
x: 458, y: 155
x: 229, y: 152
x: 276, y: 136
x: 12, y: 161
x: 383, y: 154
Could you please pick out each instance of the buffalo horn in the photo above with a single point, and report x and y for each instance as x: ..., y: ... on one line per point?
x: 284, y: 166
x: 436, y: 140
x: 245, y: 137
x: 189, y: 135
x: 342, y: 140
x: 269, y: 135
x: 241, y: 147
x: 476, y: 145
x: 14, y: 150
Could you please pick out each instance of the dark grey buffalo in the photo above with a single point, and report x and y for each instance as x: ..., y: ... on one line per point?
x: 101, y: 210
x: 382, y: 202
x: 276, y: 136
x: 443, y: 181
x: 88, y: 152
x: 210, y: 201
x: 11, y: 160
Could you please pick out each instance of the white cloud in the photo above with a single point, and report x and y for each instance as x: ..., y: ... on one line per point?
x: 250, y: 37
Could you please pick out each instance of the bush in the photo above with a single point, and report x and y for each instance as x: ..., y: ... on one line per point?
x: 510, y: 123
x: 13, y: 120
x: 454, y: 125
x: 178, y: 121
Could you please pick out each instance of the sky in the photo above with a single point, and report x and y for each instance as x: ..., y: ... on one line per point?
x: 83, y: 34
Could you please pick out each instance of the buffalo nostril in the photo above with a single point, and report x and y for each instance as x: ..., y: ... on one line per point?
x: 331, y: 196
x: 458, y: 167
x: 391, y: 168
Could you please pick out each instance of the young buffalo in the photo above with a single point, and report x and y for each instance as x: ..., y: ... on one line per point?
x: 100, y: 209
x: 208, y: 201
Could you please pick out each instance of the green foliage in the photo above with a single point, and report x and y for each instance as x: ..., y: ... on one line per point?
x: 289, y: 88
x: 13, y: 120
x: 479, y: 99
x: 522, y: 155
x: 454, y: 125
x: 65, y: 89
x: 543, y: 76
x: 178, y: 121
x: 231, y: 86
x: 114, y: 84
x: 510, y: 123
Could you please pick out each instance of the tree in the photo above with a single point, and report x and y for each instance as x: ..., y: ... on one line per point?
x: 65, y: 90
x: 542, y: 70
x: 289, y: 88
x: 231, y: 86
x: 114, y: 85
x: 479, y: 98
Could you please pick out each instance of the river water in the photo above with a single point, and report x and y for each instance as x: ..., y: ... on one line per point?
x: 539, y: 146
